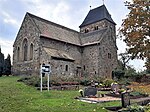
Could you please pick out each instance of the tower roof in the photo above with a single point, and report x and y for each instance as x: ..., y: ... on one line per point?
x: 97, y: 14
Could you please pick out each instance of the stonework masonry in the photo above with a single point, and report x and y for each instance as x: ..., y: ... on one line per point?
x: 92, y: 51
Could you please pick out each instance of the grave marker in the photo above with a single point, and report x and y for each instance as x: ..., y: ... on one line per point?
x: 90, y: 91
x: 115, y: 87
x: 125, y: 99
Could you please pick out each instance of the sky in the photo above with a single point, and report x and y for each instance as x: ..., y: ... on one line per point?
x: 69, y: 13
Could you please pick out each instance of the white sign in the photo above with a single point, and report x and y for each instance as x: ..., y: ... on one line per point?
x: 46, y: 68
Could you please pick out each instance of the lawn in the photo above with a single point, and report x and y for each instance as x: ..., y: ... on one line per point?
x: 18, y: 97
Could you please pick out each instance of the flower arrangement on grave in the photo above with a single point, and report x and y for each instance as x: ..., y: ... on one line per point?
x: 81, y: 92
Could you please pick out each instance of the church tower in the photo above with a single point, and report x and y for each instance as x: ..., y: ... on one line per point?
x: 98, y: 37
x: 97, y: 19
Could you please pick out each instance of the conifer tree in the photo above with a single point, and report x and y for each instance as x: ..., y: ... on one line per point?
x: 1, y: 62
x: 7, y: 65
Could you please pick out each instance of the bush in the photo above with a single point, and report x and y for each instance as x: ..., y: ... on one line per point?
x: 135, y: 93
x: 108, y: 82
x: 134, y: 108
x: 33, y: 80
x: 85, y: 82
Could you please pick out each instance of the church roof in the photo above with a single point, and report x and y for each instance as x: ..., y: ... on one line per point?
x: 55, y: 31
x: 58, y: 54
x: 97, y: 14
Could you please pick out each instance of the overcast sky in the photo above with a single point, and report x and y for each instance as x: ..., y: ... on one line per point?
x: 69, y: 13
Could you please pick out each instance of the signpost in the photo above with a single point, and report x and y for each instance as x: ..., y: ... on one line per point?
x: 45, y: 69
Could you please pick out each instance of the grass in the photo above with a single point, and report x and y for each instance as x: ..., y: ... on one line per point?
x: 141, y: 87
x: 18, y: 97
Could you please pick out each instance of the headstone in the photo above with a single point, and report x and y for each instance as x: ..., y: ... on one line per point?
x: 115, y: 87
x: 125, y: 99
x: 90, y: 91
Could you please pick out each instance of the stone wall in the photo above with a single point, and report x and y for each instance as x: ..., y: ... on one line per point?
x: 29, y: 32
x: 90, y: 60
x: 59, y: 66
x: 100, y: 25
x: 107, y: 56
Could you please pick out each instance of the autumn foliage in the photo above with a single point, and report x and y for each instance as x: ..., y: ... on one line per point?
x: 135, y: 30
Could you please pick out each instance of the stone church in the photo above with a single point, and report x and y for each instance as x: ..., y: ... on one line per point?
x: 92, y: 51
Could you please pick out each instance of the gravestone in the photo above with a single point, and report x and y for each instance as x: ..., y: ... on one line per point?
x: 90, y: 91
x: 115, y: 87
x: 125, y: 99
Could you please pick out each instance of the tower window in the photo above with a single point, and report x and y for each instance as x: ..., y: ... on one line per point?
x: 66, y: 68
x: 96, y: 28
x: 86, y: 30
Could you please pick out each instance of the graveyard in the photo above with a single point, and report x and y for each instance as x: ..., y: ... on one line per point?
x: 18, y: 96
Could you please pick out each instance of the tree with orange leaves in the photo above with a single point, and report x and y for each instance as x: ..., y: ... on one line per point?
x: 136, y: 30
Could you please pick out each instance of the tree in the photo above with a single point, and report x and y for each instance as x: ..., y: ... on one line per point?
x: 1, y: 62
x: 124, y: 60
x: 7, y: 65
x: 136, y: 30
x: 147, y: 64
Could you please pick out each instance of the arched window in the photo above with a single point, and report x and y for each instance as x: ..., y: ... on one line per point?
x: 25, y: 49
x: 18, y: 54
x: 86, y: 30
x: 31, y: 51
x: 96, y: 28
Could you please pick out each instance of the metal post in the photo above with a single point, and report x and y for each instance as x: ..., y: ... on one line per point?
x: 41, y: 76
x: 48, y: 81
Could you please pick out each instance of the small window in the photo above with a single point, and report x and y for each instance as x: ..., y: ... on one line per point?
x: 96, y: 28
x: 18, y: 54
x: 95, y: 72
x: 86, y: 30
x: 84, y: 67
x: 109, y: 55
x: 66, y: 68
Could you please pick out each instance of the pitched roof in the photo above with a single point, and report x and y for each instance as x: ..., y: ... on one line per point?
x: 58, y: 54
x: 97, y: 14
x: 95, y: 35
x: 55, y: 31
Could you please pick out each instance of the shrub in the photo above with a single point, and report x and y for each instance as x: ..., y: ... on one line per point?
x: 85, y: 82
x: 33, y: 80
x: 134, y: 108
x: 108, y: 82
x: 135, y: 93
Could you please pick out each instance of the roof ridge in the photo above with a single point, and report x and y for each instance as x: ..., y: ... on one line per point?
x: 32, y: 15
x: 97, y: 14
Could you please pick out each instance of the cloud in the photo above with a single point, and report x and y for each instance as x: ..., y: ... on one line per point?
x: 8, y: 19
x: 6, y: 46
